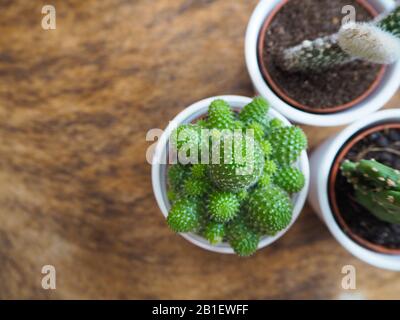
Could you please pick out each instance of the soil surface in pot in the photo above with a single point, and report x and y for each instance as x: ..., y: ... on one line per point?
x: 299, y: 20
x: 383, y: 146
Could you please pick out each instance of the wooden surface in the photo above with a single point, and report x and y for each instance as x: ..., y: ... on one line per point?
x: 75, y: 189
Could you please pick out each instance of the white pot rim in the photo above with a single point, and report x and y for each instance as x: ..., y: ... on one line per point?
x: 376, y: 100
x: 193, y: 112
x: 386, y: 261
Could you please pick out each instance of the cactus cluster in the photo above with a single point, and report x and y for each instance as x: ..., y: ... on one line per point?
x: 376, y: 187
x: 377, y: 41
x: 243, y: 199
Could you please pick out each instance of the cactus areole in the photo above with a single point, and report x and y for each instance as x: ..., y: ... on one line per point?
x: 303, y: 48
x: 364, y: 188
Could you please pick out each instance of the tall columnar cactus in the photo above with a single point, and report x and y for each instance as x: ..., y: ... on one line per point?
x: 249, y: 195
x: 377, y: 41
x: 377, y: 188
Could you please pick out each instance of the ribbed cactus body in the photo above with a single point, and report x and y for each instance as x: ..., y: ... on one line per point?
x: 377, y: 188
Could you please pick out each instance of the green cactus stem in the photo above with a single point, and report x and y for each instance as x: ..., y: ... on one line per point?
x: 287, y: 143
x: 290, y: 179
x: 377, y: 188
x: 220, y: 116
x: 377, y: 41
x: 223, y: 206
x: 184, y: 216
x: 269, y: 210
x: 214, y: 232
x: 242, y: 238
x: 255, y: 111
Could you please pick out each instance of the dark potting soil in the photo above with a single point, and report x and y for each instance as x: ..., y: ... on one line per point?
x: 300, y: 20
x: 383, y: 146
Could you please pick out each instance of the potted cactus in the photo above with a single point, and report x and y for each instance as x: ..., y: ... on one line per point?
x: 316, y: 70
x: 355, y: 184
x: 235, y: 206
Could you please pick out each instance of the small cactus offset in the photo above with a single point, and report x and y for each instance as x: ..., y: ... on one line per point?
x: 220, y: 116
x: 242, y: 238
x: 377, y: 188
x: 184, y: 216
x: 290, y: 179
x: 287, y: 143
x: 214, y: 232
x: 223, y: 206
x: 376, y: 41
x: 246, y: 197
x: 269, y: 210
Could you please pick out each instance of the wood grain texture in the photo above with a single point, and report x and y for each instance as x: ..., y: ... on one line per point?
x: 75, y: 189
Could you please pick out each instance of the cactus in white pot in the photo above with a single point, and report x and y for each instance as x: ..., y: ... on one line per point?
x: 377, y: 41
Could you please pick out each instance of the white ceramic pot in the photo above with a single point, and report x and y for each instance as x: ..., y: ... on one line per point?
x: 321, y: 163
x: 376, y: 100
x: 159, y: 170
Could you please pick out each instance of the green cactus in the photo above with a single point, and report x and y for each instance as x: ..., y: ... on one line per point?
x: 377, y: 188
x: 221, y: 116
x: 287, y: 143
x: 243, y: 240
x: 266, y: 148
x: 223, y: 206
x: 265, y: 180
x: 255, y: 111
x: 177, y: 174
x: 184, y: 216
x: 258, y: 131
x: 241, y: 172
x: 290, y: 179
x: 238, y: 200
x: 172, y: 196
x: 242, y: 195
x: 194, y: 187
x: 377, y: 41
x: 275, y: 124
x: 199, y: 171
x: 269, y: 210
x: 214, y: 232
x: 270, y: 167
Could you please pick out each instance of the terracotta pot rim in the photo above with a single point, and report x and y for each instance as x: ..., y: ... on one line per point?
x: 361, y: 134
x: 275, y: 87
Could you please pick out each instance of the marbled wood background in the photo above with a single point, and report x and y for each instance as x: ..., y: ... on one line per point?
x: 75, y: 190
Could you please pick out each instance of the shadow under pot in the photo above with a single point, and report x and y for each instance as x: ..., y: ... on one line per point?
x: 332, y: 90
x: 380, y: 143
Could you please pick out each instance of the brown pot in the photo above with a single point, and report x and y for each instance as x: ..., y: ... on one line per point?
x: 274, y: 86
x: 332, y: 194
